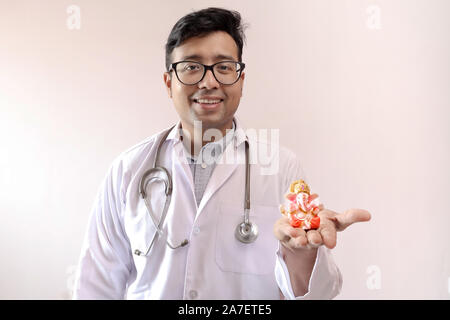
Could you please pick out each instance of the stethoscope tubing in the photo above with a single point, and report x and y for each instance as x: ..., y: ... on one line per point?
x: 245, y: 232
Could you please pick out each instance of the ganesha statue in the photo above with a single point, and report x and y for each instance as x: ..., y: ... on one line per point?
x: 301, y: 206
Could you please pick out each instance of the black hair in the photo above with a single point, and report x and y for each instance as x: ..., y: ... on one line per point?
x: 203, y: 22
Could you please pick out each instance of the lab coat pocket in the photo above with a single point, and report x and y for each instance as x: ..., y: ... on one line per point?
x: 257, y: 257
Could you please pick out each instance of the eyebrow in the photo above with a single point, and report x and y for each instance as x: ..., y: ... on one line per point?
x: 199, y: 57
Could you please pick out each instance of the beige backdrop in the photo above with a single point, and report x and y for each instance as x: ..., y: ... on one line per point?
x: 359, y: 90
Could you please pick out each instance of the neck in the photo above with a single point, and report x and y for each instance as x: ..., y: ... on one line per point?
x: 199, y: 135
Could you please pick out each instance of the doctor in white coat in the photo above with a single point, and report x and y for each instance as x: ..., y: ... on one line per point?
x: 207, y: 202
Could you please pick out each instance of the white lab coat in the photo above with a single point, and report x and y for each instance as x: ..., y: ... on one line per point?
x: 214, y: 265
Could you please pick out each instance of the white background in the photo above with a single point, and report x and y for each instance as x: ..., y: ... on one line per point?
x: 359, y: 90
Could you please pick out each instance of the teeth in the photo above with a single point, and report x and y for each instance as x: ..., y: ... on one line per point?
x: 208, y: 101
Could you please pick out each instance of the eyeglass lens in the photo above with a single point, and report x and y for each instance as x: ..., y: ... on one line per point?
x: 226, y: 72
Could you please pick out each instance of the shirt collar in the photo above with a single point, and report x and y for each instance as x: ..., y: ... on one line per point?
x: 218, y: 145
x: 238, y: 136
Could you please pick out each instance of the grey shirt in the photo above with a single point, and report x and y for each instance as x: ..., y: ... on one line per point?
x: 203, y: 165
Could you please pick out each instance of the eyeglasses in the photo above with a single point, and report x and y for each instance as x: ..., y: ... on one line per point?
x: 191, y: 72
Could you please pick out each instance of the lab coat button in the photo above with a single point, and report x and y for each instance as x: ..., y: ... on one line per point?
x: 204, y: 165
x: 196, y: 230
x: 193, y: 294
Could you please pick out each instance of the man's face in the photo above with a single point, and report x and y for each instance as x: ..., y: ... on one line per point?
x: 209, y: 49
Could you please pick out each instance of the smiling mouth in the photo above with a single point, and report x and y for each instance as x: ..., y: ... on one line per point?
x: 208, y: 101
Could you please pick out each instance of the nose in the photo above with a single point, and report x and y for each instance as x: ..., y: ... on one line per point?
x: 209, y: 81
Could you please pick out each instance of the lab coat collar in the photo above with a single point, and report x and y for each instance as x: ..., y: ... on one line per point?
x: 174, y: 134
x: 239, y: 135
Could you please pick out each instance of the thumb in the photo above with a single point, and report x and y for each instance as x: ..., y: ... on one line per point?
x: 351, y: 216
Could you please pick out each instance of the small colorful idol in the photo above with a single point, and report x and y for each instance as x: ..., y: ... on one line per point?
x: 301, y: 206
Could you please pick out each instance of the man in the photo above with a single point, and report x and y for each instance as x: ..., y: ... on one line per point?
x: 196, y: 255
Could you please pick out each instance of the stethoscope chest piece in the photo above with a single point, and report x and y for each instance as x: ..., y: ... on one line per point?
x: 246, y: 232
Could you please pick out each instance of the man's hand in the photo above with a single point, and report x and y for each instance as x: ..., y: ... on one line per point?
x: 330, y: 222
x: 299, y: 247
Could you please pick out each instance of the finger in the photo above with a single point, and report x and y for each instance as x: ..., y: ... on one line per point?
x: 327, y: 230
x: 351, y: 216
x: 314, y: 238
x: 282, y: 229
x: 284, y: 226
x: 300, y: 241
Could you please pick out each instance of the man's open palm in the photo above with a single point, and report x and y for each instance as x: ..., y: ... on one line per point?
x: 330, y: 223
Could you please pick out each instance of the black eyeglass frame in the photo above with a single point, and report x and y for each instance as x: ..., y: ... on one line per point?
x: 173, y: 67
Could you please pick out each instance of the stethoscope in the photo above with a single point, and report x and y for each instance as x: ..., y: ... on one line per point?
x: 245, y: 232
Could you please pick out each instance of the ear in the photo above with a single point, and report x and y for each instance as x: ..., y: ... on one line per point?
x: 242, y: 79
x: 168, y: 83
